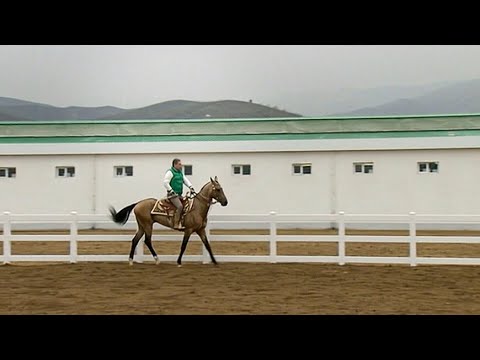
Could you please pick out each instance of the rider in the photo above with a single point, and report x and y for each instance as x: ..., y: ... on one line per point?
x: 173, y: 182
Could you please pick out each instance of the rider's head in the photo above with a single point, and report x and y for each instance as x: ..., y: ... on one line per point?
x: 177, y: 164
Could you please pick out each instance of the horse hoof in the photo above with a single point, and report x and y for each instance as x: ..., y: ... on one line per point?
x: 130, y: 262
x: 179, y: 265
x: 157, y: 261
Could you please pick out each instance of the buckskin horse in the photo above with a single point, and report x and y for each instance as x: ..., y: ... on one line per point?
x: 195, y: 220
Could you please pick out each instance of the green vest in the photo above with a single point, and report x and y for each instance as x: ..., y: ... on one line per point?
x: 177, y: 181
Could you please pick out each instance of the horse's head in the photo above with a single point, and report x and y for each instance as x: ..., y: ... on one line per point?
x: 217, y: 192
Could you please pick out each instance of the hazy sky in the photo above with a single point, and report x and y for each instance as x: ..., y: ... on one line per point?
x: 136, y: 76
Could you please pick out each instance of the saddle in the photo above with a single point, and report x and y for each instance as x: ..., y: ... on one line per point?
x: 165, y: 207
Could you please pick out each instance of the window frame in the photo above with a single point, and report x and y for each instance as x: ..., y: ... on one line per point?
x: 65, y: 168
x: 302, y: 166
x: 184, y: 170
x: 8, y: 172
x: 124, y: 171
x: 427, y: 163
x: 242, y: 169
x: 363, y: 164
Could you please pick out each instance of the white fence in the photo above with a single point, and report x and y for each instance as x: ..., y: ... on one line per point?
x: 271, y: 220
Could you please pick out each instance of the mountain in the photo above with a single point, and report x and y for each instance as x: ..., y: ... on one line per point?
x: 323, y: 102
x: 458, y: 98
x: 4, y: 101
x: 15, y: 109
x: 83, y: 113
x: 437, y: 98
x: 183, y: 109
x: 8, y: 117
x: 45, y: 112
x: 27, y: 110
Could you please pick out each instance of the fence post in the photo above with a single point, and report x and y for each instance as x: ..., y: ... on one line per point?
x: 73, y: 238
x: 341, y: 238
x: 205, y: 256
x: 273, y: 238
x: 139, y: 251
x: 413, y: 239
x: 7, y: 233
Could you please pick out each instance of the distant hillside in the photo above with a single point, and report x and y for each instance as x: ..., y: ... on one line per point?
x: 82, y: 113
x: 15, y: 109
x: 43, y: 112
x: 4, y: 101
x: 8, y: 117
x: 325, y: 101
x: 435, y: 98
x: 27, y: 110
x: 462, y: 97
x: 183, y: 109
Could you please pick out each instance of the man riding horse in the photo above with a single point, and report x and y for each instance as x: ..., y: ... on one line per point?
x: 195, y: 220
x: 173, y: 182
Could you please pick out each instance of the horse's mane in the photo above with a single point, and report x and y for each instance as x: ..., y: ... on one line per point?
x: 204, y: 186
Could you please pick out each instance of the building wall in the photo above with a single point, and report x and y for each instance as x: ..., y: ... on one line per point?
x: 394, y: 187
x: 36, y: 189
x: 271, y: 186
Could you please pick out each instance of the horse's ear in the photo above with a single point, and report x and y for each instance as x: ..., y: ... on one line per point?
x: 211, y: 179
x: 216, y: 179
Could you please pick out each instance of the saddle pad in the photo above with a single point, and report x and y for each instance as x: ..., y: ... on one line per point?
x: 165, y: 207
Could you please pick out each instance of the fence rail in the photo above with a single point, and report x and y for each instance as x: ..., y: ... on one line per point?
x: 271, y: 221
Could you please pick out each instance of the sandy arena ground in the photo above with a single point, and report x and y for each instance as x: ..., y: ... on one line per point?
x: 116, y: 288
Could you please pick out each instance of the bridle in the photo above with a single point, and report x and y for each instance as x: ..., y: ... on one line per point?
x: 204, y: 198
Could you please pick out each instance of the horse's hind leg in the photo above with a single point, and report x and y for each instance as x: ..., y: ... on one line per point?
x: 148, y: 242
x: 135, y: 241
x: 186, y: 237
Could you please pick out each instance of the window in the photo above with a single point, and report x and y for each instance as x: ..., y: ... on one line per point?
x: 188, y: 170
x: 8, y: 172
x: 428, y: 167
x: 121, y: 171
x: 302, y: 169
x: 363, y: 168
x: 65, y: 171
x: 242, y: 169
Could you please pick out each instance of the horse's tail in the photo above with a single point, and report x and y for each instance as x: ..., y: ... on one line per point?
x: 122, y: 216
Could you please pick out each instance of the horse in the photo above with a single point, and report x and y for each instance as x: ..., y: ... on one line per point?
x: 195, y: 220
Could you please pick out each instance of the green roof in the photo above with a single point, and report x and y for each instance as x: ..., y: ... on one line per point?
x: 239, y: 129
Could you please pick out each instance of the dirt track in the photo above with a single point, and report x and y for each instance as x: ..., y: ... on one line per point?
x: 116, y: 288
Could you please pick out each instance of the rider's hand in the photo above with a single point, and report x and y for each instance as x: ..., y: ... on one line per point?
x: 171, y: 193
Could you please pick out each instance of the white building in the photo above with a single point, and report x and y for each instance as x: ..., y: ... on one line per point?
x: 377, y: 165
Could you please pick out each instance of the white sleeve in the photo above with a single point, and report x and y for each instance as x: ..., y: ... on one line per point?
x: 186, y: 181
x: 166, y: 181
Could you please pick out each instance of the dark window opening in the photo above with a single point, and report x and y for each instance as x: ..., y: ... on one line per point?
x: 188, y: 170
x: 368, y: 169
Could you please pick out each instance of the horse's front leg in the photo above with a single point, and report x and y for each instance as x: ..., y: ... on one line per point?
x: 203, y: 236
